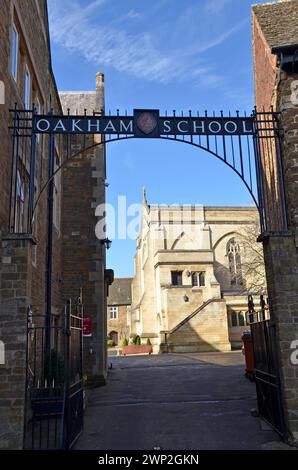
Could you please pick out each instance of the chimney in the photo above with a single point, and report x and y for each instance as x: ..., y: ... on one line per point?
x: 100, y: 93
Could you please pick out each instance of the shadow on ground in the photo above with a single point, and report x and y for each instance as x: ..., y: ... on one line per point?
x: 175, y: 402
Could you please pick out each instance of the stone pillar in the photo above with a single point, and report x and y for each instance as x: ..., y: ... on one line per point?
x: 282, y: 279
x: 15, y: 299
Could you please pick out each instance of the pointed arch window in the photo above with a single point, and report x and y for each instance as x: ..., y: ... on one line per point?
x: 234, y: 259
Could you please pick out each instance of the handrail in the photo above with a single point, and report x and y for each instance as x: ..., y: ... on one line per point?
x: 189, y: 317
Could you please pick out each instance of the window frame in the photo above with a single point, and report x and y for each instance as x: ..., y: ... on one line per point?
x: 235, y: 262
x: 113, y: 310
x: 15, y: 48
x: 194, y: 279
x: 176, y: 283
x: 202, y: 279
x: 38, y: 111
x: 27, y: 89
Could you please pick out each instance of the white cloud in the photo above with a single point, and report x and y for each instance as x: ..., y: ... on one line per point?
x: 214, y: 7
x: 139, y: 54
x: 133, y: 14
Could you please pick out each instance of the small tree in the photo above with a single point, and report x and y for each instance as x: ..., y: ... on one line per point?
x: 252, y: 264
x: 148, y: 342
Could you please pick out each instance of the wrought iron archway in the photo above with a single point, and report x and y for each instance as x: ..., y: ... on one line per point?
x: 249, y: 145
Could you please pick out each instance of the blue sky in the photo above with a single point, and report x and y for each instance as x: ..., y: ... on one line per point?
x: 164, y: 54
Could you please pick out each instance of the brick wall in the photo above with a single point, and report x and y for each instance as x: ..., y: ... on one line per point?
x: 277, y: 25
x: 30, y: 19
x: 83, y: 253
x: 265, y: 71
x: 15, y: 284
x: 119, y: 325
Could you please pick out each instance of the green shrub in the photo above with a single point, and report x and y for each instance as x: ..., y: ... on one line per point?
x: 134, y: 339
x: 124, y: 342
x: 111, y: 343
x: 138, y: 341
x: 148, y: 342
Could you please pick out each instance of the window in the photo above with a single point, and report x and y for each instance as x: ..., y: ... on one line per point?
x: 198, y: 279
x: 234, y: 258
x: 176, y: 278
x: 20, y: 203
x: 202, y: 279
x: 234, y: 320
x: 194, y: 279
x: 113, y: 313
x: 27, y: 97
x: 241, y: 317
x: 38, y: 111
x: 14, y: 53
x: 237, y: 319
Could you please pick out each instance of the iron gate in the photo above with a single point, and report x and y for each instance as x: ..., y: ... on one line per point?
x: 267, y: 375
x: 54, y: 382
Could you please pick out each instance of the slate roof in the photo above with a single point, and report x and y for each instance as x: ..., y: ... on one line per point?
x: 120, y: 292
x: 279, y: 22
x: 78, y: 101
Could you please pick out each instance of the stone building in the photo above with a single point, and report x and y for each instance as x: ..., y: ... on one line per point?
x: 30, y: 286
x: 119, y: 309
x: 26, y: 72
x: 190, y: 289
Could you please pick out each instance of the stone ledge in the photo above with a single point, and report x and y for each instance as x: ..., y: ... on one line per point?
x: 20, y: 237
x: 265, y: 235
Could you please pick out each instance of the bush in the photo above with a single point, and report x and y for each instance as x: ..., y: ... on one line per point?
x: 148, y: 342
x: 138, y: 341
x: 111, y: 343
x: 124, y: 342
x: 134, y: 339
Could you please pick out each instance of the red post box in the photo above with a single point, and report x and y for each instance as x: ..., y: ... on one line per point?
x: 249, y: 355
x: 87, y: 326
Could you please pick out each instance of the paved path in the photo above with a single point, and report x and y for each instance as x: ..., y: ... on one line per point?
x: 175, y: 402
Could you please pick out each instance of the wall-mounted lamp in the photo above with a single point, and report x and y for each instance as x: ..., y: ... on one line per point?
x: 186, y: 299
x: 107, y: 243
x: 188, y: 273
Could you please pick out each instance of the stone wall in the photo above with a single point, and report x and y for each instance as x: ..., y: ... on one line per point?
x: 206, y: 331
x: 83, y: 254
x: 276, y: 25
x: 23, y: 263
x: 15, y: 285
x: 121, y: 324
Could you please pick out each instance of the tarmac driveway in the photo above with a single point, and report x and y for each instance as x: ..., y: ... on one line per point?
x: 175, y: 402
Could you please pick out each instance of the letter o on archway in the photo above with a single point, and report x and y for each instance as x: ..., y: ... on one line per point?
x: 217, y: 126
x: 42, y: 129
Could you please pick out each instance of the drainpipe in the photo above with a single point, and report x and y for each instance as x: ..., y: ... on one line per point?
x: 49, y: 259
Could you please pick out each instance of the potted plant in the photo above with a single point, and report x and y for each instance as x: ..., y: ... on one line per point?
x: 136, y: 346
